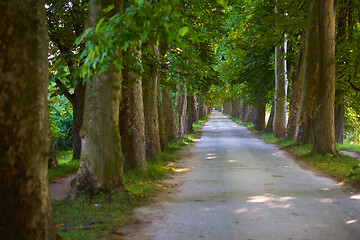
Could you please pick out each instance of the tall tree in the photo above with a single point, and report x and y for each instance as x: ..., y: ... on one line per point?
x: 150, y: 92
x: 279, y: 125
x: 310, y: 81
x: 66, y: 22
x: 296, y: 90
x: 101, y: 162
x: 25, y: 202
x: 323, y: 122
x: 132, y: 120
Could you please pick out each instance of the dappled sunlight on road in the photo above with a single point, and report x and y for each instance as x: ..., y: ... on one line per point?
x: 355, y: 197
x: 271, y: 200
x: 179, y: 170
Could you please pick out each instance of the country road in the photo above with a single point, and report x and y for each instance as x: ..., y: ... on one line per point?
x: 239, y: 187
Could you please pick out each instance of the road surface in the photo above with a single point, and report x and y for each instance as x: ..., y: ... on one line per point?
x: 239, y: 187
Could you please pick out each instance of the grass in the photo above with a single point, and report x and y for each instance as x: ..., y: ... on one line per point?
x: 343, y: 168
x: 101, y: 216
x: 66, y: 165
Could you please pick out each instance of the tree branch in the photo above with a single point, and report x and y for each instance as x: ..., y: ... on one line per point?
x: 65, y: 91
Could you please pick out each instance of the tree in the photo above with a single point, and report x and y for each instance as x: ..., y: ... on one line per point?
x: 132, y: 120
x: 323, y: 122
x: 310, y: 81
x: 66, y: 22
x: 25, y: 208
x: 101, y: 162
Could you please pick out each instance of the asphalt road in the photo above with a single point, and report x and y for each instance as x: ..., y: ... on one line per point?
x: 239, y: 187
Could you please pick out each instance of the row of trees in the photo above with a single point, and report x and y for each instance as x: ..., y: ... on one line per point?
x: 313, y: 59
x: 122, y: 69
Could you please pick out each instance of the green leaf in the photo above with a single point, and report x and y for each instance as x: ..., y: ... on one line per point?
x: 109, y: 8
x: 182, y: 31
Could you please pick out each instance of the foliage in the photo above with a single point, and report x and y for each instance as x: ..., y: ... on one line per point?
x: 61, y: 117
x: 67, y: 165
x: 150, y: 22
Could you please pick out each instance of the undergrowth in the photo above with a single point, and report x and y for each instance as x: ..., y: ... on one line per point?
x: 66, y: 165
x: 102, y: 215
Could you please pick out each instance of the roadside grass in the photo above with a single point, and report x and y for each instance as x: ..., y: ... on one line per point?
x: 102, y: 215
x: 343, y: 168
x: 66, y: 165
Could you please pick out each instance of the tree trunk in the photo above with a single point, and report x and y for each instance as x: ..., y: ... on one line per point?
x: 150, y: 92
x: 259, y: 122
x: 311, y: 71
x: 323, y: 122
x: 101, y: 162
x: 235, y: 108
x: 339, y: 123
x: 190, y: 114
x: 270, y: 123
x: 196, y: 109
x: 25, y: 207
x: 52, y: 153
x: 181, y: 105
x: 162, y: 133
x: 243, y: 111
x: 170, y: 119
x: 132, y: 120
x: 78, y: 117
x: 279, y: 127
x: 250, y: 114
x: 295, y: 97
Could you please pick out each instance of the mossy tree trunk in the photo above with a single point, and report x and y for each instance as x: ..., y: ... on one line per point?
x: 101, y: 162
x: 295, y: 96
x: 323, y: 122
x: 311, y: 71
x: 132, y: 120
x: 150, y: 96
x: 25, y: 207
x: 162, y: 131
x: 181, y: 106
x: 235, y: 108
x: 52, y: 153
x: 190, y: 113
x: 171, y: 129
x: 259, y: 121
x: 279, y: 125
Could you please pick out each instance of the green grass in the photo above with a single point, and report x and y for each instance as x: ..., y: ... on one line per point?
x: 343, y: 168
x: 66, y: 165
x: 101, y: 216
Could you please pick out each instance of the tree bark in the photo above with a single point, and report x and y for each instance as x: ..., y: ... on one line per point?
x: 181, y: 105
x: 279, y: 127
x: 190, y: 114
x: 235, y: 108
x: 101, y: 162
x: 162, y: 131
x: 52, y: 153
x: 310, y: 82
x: 270, y: 123
x: 323, y: 122
x: 25, y: 207
x: 259, y: 121
x: 132, y: 120
x: 170, y: 119
x: 339, y: 123
x: 295, y: 97
x: 250, y: 114
x: 78, y: 118
x: 243, y: 111
x: 150, y: 92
